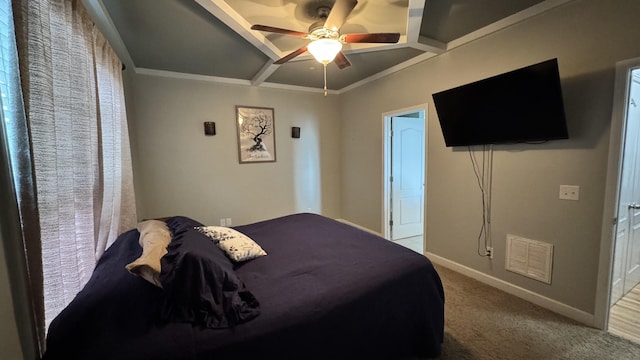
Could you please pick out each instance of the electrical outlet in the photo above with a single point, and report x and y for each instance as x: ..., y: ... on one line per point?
x: 223, y: 222
x: 228, y: 221
x: 569, y: 192
x: 490, y: 252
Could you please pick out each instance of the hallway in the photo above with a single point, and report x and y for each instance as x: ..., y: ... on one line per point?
x: 415, y: 243
x: 624, y: 318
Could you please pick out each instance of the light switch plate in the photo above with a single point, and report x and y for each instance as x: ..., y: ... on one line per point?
x: 569, y: 192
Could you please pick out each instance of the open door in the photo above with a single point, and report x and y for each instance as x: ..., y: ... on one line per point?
x: 626, y: 263
x: 407, y: 177
x: 404, y: 165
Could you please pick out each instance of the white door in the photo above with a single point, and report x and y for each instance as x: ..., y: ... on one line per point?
x: 632, y: 266
x: 626, y: 269
x: 407, y: 177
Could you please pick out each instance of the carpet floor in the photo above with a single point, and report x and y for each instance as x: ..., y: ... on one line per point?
x: 482, y: 322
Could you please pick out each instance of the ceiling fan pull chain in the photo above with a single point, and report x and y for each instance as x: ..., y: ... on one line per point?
x: 325, y: 79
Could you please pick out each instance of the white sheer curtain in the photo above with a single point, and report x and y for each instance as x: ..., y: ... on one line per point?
x: 74, y: 100
x: 116, y: 195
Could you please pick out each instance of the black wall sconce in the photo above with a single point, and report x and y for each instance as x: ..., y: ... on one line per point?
x: 209, y: 128
x: 295, y: 132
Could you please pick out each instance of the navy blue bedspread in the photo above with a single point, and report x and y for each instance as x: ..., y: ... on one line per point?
x: 326, y: 290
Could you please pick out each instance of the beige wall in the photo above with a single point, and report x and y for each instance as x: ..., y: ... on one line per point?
x: 179, y: 171
x: 588, y: 38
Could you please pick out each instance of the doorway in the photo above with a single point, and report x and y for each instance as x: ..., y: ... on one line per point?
x: 616, y: 258
x: 625, y: 277
x: 404, y: 176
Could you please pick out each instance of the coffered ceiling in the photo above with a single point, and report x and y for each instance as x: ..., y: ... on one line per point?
x: 212, y: 38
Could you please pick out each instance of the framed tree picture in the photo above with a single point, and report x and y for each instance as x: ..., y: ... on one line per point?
x: 256, y: 134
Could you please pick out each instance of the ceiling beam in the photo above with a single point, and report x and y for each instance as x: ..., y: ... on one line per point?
x: 430, y: 45
x: 264, y: 73
x: 414, y: 20
x: 199, y: 77
x: 370, y: 47
x: 225, y: 13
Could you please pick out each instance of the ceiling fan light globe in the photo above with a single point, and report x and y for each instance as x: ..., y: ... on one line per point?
x: 324, y: 50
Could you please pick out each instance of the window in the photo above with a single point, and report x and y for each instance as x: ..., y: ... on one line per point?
x: 10, y: 91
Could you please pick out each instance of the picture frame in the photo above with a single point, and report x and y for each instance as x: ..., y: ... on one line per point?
x: 256, y: 134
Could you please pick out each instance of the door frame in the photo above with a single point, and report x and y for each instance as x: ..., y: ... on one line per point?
x: 386, y: 164
x: 612, y: 191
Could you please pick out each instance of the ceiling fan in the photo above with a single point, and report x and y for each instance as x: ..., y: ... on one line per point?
x: 326, y: 40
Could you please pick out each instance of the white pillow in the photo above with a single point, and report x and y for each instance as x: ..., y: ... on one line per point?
x: 237, y: 246
x: 154, y: 238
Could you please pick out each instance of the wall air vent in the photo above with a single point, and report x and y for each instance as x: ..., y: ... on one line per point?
x: 530, y: 258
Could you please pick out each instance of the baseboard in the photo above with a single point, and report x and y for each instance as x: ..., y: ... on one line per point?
x: 532, y: 297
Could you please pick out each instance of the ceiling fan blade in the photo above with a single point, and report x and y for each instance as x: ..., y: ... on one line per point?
x: 279, y: 30
x: 370, y: 38
x: 341, y: 61
x: 290, y: 56
x: 339, y: 12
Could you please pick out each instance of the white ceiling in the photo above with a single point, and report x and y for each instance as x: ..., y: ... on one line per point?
x: 213, y: 38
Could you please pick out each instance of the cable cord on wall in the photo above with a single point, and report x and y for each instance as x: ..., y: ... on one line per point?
x: 484, y: 175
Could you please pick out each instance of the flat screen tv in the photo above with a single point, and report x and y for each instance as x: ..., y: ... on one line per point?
x: 523, y: 105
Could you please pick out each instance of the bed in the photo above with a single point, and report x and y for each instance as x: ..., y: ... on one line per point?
x: 324, y: 290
